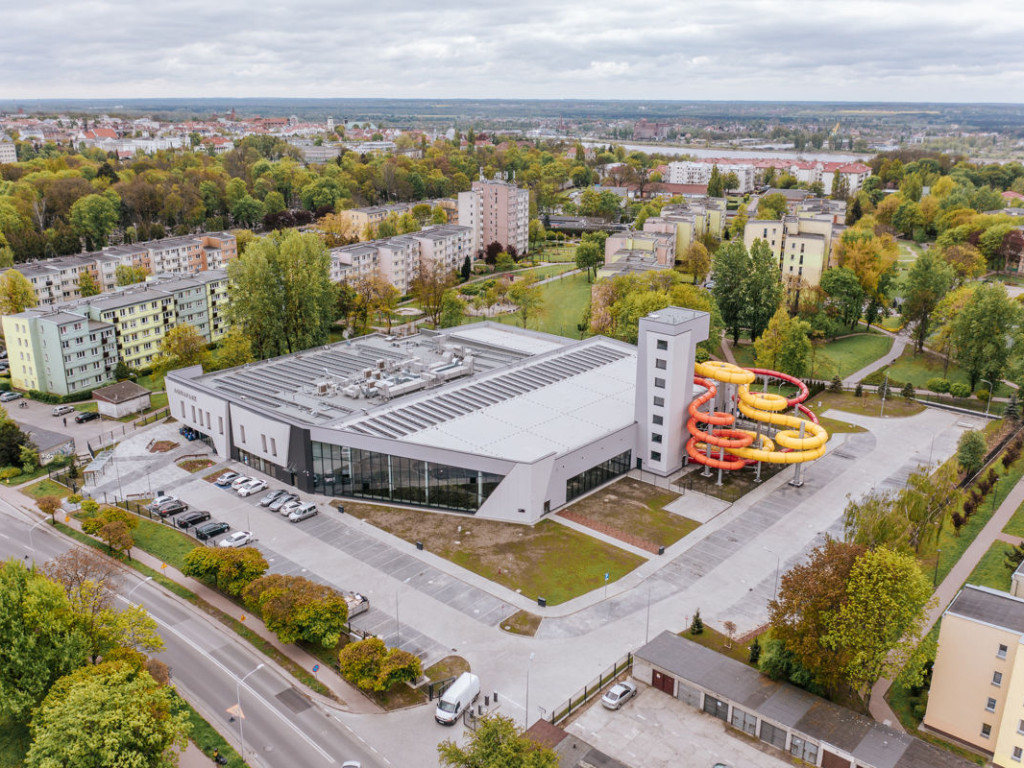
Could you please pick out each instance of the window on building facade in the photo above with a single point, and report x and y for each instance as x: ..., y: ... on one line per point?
x: 656, y: 419
x: 659, y: 383
x: 659, y: 401
x: 661, y: 365
x: 986, y: 730
x: 990, y: 705
x: 655, y: 456
x: 1017, y: 753
x: 997, y: 678
x: 662, y: 344
x: 1001, y: 653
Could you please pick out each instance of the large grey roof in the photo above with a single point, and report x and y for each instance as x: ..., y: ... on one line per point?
x: 989, y: 606
x: 871, y: 743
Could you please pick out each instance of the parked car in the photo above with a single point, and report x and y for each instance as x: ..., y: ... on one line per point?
x: 226, y: 479
x: 236, y: 539
x: 239, y: 481
x: 281, y: 500
x: 271, y: 496
x: 291, y: 506
x: 207, y: 531
x: 7, y: 397
x: 160, y: 501
x: 85, y: 416
x: 252, y: 487
x: 302, y: 512
x: 618, y: 695
x: 62, y: 410
x: 191, y: 518
x: 172, y: 508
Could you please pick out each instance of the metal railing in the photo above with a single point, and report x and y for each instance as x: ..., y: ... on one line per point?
x: 591, y: 690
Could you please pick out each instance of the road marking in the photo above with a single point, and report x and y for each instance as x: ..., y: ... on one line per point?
x: 247, y: 687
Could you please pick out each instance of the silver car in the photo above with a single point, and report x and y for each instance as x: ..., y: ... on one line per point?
x: 271, y: 496
x: 618, y: 695
x: 302, y: 512
x: 281, y: 500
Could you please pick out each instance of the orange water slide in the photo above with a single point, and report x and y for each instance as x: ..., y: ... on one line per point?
x: 726, y: 439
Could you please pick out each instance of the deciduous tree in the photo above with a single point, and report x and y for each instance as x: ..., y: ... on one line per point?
x: 528, y: 298
x: 16, y: 293
x: 589, y: 256
x: 129, y: 275
x: 970, y: 451
x: 762, y: 290
x: 981, y: 333
x: 731, y: 267
x: 87, y: 285
x: 298, y: 609
x: 696, y: 262
x: 94, y: 217
x: 928, y: 281
x: 430, y: 286
x: 771, y: 207
x: 496, y: 742
x: 228, y: 569
x: 181, y: 347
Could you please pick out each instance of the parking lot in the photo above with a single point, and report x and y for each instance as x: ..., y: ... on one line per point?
x: 655, y: 730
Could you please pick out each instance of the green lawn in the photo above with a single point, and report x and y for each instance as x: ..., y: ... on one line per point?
x: 547, y: 271
x: 46, y: 488
x: 917, y: 369
x: 991, y: 570
x: 164, y: 542
x: 561, y: 253
x: 565, y: 301
x: 24, y: 478
x: 843, y: 357
x: 1015, y: 527
x: 892, y: 323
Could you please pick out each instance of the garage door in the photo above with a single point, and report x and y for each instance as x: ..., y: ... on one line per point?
x: 663, y: 682
x: 831, y: 760
x: 716, y: 707
x: 688, y: 695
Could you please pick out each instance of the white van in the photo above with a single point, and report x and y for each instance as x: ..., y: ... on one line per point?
x: 63, y: 410
x: 460, y: 695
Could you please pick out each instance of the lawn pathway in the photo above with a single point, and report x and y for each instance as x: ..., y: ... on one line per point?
x: 899, y: 343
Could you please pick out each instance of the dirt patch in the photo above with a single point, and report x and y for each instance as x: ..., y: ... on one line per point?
x: 195, y: 465
x: 633, y: 512
x: 546, y: 560
x: 448, y: 667
x: 162, y: 446
x: 522, y: 623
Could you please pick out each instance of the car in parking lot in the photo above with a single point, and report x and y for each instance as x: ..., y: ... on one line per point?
x: 160, y: 500
x: 226, y: 479
x: 302, y: 512
x: 618, y: 695
x: 291, y: 506
x: 207, y: 531
x: 7, y: 397
x: 191, y: 518
x: 286, y: 498
x: 271, y: 496
x: 172, y: 508
x: 236, y: 539
x: 253, y: 486
x: 85, y: 416
x: 62, y: 410
x: 239, y: 481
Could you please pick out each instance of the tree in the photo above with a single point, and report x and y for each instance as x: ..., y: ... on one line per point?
x: 247, y: 211
x: 430, y: 286
x: 970, y: 451
x: 846, y: 296
x: 235, y: 349
x: 375, y: 295
x: 927, y: 282
x: 528, y: 298
x: 228, y: 569
x: 981, y: 333
x: 93, y: 218
x: 298, y: 609
x: 49, y: 505
x: 878, y: 627
x: 16, y: 293
x: 467, y: 269
x: 731, y: 267
x: 129, y: 275
x: 453, y: 310
x: 12, y: 441
x: 771, y: 207
x: 715, y: 183
x: 872, y: 258
x: 755, y: 651
x: 118, y: 537
x: 372, y: 666
x: 762, y: 289
x: 39, y: 635
x: 71, y: 569
x: 809, y: 595
x: 696, y: 262
x: 281, y: 293
x: 182, y: 346
x: 697, y: 624
x: 110, y: 714
x: 87, y: 285
x: 496, y: 742
x: 589, y: 256
x: 730, y: 630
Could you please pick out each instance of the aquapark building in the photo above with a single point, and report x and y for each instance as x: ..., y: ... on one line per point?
x: 489, y: 419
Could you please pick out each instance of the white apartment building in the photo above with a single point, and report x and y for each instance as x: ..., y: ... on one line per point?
x: 689, y: 172
x: 399, y: 259
x: 8, y: 152
x: 496, y: 212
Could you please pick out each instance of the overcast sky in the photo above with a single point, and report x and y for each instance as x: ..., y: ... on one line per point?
x: 851, y: 50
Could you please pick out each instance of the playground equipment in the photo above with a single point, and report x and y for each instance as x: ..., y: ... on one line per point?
x: 796, y: 441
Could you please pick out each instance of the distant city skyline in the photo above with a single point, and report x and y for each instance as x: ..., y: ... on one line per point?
x: 801, y: 50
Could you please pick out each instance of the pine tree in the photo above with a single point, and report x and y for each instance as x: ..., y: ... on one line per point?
x: 755, y: 651
x: 1012, y: 411
x: 696, y: 626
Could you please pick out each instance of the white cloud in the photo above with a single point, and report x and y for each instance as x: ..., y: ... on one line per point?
x: 878, y: 50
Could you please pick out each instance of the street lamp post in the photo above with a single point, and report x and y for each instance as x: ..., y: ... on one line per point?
x: 128, y: 597
x: 647, y: 631
x: 991, y: 386
x: 778, y: 565
x: 526, y: 717
x: 238, y: 701
x: 885, y: 392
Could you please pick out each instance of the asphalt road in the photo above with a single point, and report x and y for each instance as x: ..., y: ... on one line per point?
x: 282, y: 728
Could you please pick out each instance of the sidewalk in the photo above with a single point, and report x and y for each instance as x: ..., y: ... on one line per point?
x: 950, y: 586
x: 899, y: 344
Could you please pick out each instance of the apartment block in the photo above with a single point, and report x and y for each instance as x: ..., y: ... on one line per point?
x: 638, y: 252
x: 399, y: 259
x: 8, y: 152
x: 496, y: 212
x: 690, y: 221
x: 802, y: 245
x: 977, y: 689
x: 689, y: 172
x: 57, y: 280
x: 74, y: 346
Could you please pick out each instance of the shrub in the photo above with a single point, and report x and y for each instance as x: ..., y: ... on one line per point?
x: 960, y: 390
x: 836, y: 385
x: 697, y: 625
x: 938, y: 385
x: 858, y: 390
x: 908, y: 392
x: 983, y: 395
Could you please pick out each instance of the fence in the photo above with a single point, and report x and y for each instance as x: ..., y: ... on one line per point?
x: 163, y: 413
x: 592, y: 690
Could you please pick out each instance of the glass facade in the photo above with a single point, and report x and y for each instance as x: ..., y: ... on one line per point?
x: 343, y: 471
x: 595, y: 476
